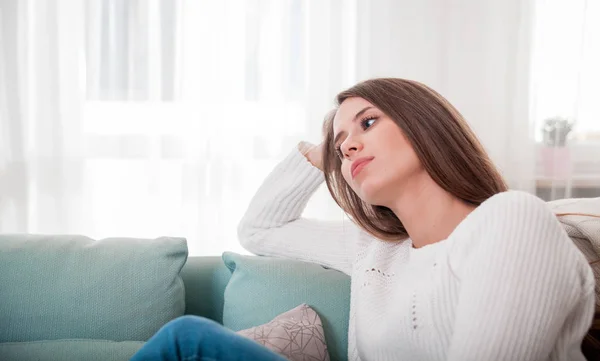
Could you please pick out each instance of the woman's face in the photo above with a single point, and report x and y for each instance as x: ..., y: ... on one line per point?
x: 377, y: 159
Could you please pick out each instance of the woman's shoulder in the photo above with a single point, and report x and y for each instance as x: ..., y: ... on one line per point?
x: 505, y: 209
x: 513, y: 208
x: 515, y: 198
x: 514, y: 219
x: 518, y: 229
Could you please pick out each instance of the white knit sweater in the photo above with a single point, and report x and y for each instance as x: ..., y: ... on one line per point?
x: 508, y: 284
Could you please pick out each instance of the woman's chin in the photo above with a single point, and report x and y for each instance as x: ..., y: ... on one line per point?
x: 371, y: 192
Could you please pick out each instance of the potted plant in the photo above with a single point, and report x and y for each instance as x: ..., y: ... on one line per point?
x: 556, y: 157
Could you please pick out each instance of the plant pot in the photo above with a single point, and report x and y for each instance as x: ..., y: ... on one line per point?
x: 556, y: 162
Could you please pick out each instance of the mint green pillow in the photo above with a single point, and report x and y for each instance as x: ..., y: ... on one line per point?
x: 63, y: 350
x: 261, y: 288
x: 66, y: 287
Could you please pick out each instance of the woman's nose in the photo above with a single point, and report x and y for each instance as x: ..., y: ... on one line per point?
x: 351, y: 146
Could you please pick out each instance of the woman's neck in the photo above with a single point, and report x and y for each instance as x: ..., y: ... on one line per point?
x: 429, y: 213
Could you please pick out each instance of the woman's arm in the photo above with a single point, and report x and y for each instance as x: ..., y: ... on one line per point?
x: 272, y: 225
x: 524, y: 286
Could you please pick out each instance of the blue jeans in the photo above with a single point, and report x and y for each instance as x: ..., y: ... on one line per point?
x: 192, y: 338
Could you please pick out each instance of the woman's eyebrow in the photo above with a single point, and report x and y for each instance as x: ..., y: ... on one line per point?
x: 360, y: 112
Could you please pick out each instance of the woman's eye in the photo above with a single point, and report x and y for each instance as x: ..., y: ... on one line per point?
x: 368, y: 122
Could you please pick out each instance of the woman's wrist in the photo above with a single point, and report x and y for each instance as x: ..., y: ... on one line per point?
x: 311, y: 152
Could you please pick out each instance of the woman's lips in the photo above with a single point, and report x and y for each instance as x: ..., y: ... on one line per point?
x: 359, y: 164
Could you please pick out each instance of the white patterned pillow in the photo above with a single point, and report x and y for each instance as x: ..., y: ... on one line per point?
x: 296, y: 334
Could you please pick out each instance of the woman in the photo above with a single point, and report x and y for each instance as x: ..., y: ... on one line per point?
x: 446, y: 264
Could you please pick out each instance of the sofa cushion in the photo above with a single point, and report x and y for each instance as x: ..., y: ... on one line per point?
x: 65, y: 287
x: 262, y: 288
x: 61, y: 350
x: 296, y: 334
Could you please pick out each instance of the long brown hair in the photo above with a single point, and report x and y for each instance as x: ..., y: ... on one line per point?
x: 441, y: 138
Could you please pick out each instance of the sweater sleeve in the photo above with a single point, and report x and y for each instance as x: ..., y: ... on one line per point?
x: 272, y: 224
x: 524, y: 286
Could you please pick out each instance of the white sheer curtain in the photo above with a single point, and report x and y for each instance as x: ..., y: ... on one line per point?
x: 40, y: 103
x: 565, y: 93
x: 132, y: 48
x: 161, y: 117
x: 172, y: 114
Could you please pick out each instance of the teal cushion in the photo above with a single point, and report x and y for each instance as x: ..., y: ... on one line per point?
x: 65, y: 287
x: 261, y: 288
x: 62, y: 350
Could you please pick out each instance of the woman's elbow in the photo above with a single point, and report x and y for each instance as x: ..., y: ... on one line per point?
x: 248, y: 236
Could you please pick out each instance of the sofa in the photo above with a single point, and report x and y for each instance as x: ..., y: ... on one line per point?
x: 66, y: 297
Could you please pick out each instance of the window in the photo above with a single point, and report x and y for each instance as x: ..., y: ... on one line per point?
x: 192, y: 103
x: 566, y: 54
x: 566, y: 89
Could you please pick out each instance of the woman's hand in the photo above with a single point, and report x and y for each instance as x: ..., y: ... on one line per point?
x: 314, y: 153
